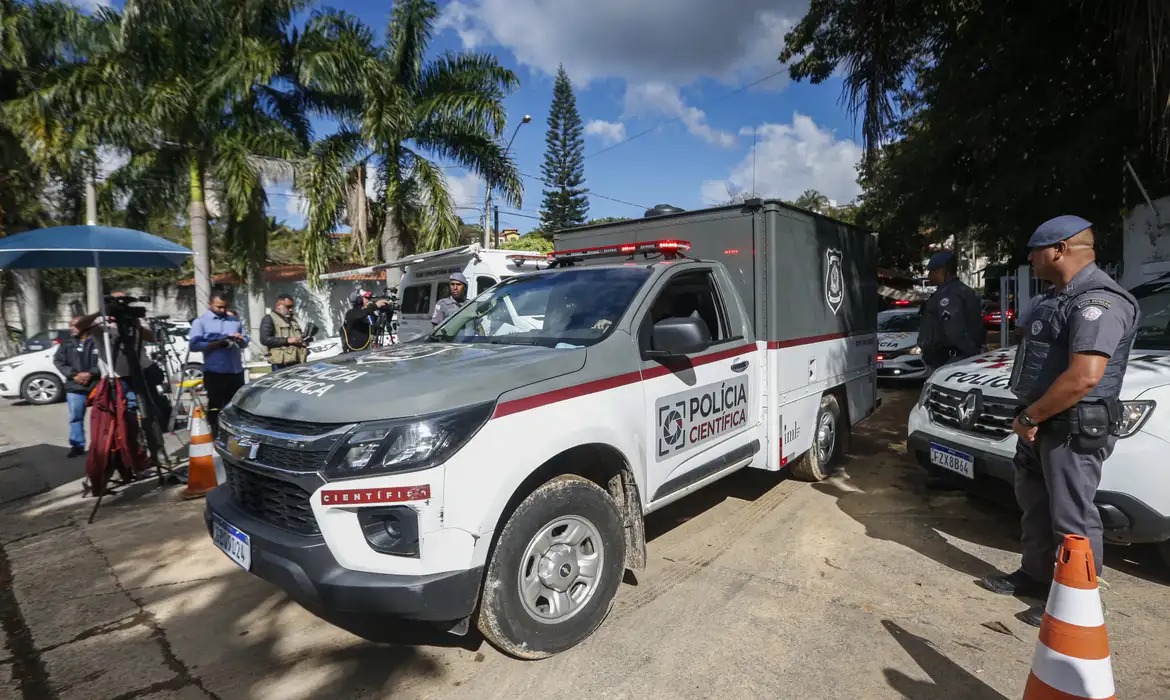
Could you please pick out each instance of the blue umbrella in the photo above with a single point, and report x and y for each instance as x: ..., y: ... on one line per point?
x: 89, y: 246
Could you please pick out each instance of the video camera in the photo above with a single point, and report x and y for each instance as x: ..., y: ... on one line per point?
x: 119, y: 308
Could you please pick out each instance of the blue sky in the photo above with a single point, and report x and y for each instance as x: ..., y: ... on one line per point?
x: 675, y: 68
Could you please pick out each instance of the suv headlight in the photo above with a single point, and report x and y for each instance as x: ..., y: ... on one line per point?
x: 1134, y: 415
x: 10, y: 364
x: 924, y: 394
x: 406, y: 444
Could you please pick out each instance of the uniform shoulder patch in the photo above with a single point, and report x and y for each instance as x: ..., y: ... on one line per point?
x: 1092, y: 313
x: 1094, y: 301
x: 944, y: 301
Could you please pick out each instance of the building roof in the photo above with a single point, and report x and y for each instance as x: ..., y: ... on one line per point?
x: 292, y: 273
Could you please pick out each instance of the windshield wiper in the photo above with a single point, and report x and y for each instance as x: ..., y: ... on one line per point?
x: 517, y: 341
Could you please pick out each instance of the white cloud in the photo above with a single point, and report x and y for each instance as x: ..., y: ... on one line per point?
x: 661, y: 99
x: 609, y: 132
x: 792, y: 158
x: 677, y: 41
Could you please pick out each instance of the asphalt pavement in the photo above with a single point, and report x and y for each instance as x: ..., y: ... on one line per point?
x: 863, y: 586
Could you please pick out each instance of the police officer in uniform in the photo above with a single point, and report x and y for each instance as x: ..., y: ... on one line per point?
x: 1067, y: 375
x: 952, y: 319
x: 451, y: 304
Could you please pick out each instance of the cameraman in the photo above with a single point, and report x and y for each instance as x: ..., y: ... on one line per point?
x: 281, y: 334
x: 221, y: 339
x: 357, y: 331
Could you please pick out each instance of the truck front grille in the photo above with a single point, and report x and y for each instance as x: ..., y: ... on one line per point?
x: 290, y: 459
x: 275, y: 501
x: 994, y: 421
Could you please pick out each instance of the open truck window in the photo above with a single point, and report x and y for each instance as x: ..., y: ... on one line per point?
x: 416, y: 299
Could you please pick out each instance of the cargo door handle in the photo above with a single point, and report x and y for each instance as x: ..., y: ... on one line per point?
x: 739, y: 366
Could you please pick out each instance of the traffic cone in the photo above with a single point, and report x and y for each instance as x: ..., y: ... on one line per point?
x: 202, y: 474
x: 1072, y: 654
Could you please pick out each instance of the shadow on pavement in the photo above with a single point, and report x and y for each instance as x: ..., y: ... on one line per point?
x: 882, y: 487
x: 746, y: 484
x: 28, y: 471
x: 951, y: 681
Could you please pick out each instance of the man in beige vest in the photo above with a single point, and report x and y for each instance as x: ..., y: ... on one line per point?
x: 281, y: 334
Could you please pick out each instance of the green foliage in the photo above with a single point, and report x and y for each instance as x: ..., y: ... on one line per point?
x: 607, y: 220
x: 983, y: 118
x: 532, y: 241
x: 565, y: 203
x: 397, y: 111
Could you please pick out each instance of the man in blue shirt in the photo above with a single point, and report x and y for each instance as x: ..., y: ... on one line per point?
x: 221, y: 339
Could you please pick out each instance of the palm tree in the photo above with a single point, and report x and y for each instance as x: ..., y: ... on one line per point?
x: 397, y: 111
x: 203, y: 94
x: 813, y: 201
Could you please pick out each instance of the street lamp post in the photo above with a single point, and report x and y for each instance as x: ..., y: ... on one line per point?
x: 487, y: 205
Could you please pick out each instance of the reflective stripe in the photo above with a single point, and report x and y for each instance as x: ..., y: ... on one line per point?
x: 198, y: 450
x: 1077, y: 677
x: 1076, y: 606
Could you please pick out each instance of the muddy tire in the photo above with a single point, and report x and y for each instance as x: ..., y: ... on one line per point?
x: 555, y: 570
x: 815, y: 464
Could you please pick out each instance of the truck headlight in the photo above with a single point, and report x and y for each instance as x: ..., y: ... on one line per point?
x: 406, y: 444
x: 1134, y: 415
x: 916, y: 350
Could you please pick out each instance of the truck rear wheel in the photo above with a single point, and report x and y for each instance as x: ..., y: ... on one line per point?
x: 555, y: 571
x: 813, y: 465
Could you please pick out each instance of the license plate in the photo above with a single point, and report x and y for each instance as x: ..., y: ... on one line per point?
x: 234, y: 543
x: 953, y: 460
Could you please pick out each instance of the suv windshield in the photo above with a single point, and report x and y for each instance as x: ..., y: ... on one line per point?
x: 573, y: 307
x: 1153, y: 331
x: 901, y: 322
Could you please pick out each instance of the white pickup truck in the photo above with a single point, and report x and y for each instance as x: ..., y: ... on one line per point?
x: 497, y: 471
x: 962, y: 424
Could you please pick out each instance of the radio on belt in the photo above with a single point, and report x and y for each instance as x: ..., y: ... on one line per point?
x: 441, y: 479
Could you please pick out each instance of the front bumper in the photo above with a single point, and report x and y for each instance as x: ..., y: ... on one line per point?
x: 1126, y: 519
x: 303, y: 566
x: 903, y: 367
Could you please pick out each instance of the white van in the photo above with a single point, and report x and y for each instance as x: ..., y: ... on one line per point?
x: 426, y: 280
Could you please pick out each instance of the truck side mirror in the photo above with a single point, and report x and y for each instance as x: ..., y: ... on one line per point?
x: 678, y: 336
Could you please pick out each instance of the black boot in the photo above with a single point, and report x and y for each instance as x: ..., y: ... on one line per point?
x: 1016, y: 583
x: 1032, y: 616
x: 75, y: 451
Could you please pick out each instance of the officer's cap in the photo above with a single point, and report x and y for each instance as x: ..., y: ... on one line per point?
x: 458, y: 277
x: 939, y: 260
x: 1056, y: 230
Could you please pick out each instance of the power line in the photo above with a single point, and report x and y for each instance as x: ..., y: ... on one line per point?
x: 640, y: 134
x: 591, y: 193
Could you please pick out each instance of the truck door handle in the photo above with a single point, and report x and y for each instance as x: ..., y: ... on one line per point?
x: 739, y: 366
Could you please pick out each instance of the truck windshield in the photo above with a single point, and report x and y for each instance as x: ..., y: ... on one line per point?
x: 573, y: 307
x: 1153, y: 331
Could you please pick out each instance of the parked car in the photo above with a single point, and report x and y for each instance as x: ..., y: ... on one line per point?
x: 899, y: 355
x: 32, y: 377
x: 991, y: 315
x: 44, y: 340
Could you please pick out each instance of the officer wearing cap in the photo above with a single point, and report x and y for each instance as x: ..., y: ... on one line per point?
x: 449, y: 305
x: 952, y: 319
x: 1067, y: 375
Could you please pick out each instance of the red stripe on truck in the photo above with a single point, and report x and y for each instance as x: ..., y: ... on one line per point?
x: 527, y: 403
x: 778, y: 344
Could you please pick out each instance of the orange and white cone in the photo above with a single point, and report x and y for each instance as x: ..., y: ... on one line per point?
x: 1072, y: 654
x: 202, y: 468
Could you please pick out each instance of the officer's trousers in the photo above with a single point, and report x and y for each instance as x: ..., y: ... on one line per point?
x: 1056, y: 482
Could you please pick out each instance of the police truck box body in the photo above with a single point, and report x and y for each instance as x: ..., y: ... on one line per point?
x: 497, y: 472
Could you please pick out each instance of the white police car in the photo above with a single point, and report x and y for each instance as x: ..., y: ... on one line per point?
x: 962, y: 424
x: 899, y: 356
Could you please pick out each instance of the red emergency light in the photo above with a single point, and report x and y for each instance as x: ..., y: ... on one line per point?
x: 901, y: 302
x: 668, y: 247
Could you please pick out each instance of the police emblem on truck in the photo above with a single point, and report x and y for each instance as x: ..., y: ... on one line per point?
x: 834, y: 282
x: 690, y: 418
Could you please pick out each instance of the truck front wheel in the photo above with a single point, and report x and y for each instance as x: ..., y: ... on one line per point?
x: 813, y: 465
x: 555, y: 571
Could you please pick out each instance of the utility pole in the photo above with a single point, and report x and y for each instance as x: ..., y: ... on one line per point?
x: 487, y: 204
x: 92, y: 302
x: 496, y: 226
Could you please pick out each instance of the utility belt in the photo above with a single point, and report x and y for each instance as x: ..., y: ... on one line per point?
x: 1090, y: 423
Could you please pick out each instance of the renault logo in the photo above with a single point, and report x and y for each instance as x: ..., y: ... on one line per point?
x: 970, y: 408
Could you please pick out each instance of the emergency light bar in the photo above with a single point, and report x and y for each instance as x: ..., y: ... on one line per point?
x: 670, y: 247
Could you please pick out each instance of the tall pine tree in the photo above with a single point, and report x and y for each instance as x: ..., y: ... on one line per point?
x: 564, y: 203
